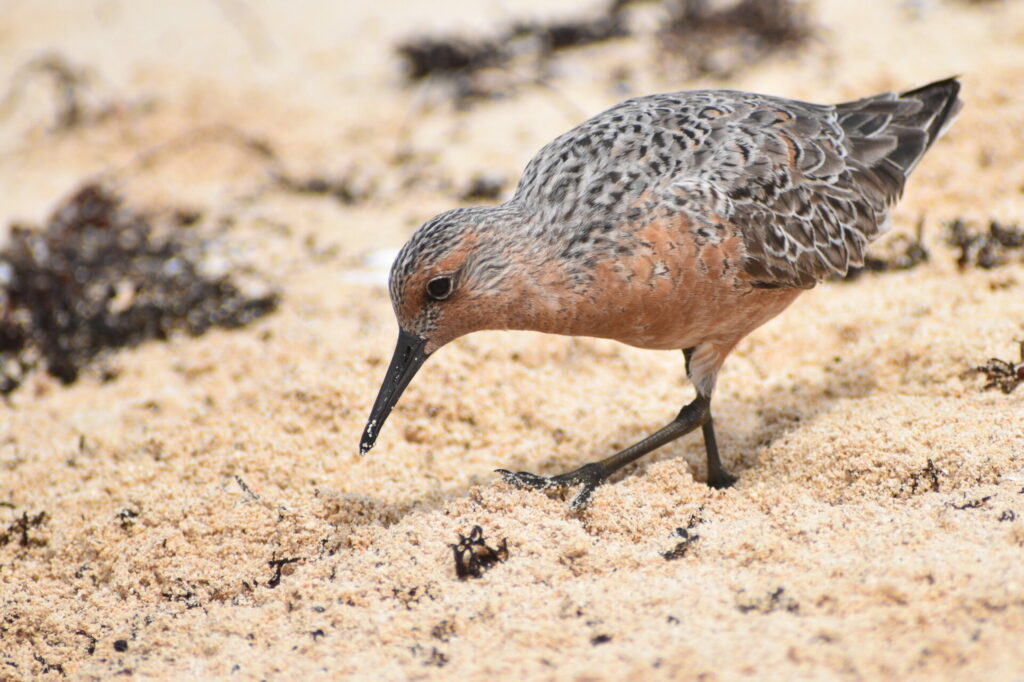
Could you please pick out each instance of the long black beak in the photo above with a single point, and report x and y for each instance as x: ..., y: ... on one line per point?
x: 407, y: 360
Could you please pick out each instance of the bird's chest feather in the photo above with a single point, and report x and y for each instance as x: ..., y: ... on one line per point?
x: 664, y: 285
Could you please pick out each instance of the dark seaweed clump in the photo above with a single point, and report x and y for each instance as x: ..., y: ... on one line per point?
x: 426, y: 55
x: 1000, y: 245
x: 718, y: 38
x: 463, y: 61
x: 473, y: 555
x: 1003, y: 374
x: 459, y: 55
x: 707, y: 37
x: 98, y: 276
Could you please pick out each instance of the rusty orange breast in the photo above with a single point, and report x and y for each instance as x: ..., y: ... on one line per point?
x: 672, y: 288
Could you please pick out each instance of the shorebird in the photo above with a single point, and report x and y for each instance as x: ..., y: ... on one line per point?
x: 675, y: 221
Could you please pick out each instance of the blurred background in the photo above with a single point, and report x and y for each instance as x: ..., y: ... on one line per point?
x: 348, y: 124
x: 199, y: 202
x: 413, y: 98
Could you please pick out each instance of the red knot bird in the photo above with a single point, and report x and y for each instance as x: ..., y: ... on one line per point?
x: 676, y: 221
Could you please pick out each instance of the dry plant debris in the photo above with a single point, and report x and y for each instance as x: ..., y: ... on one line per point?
x: 712, y: 37
x: 448, y: 55
x: 277, y: 565
x: 455, y: 55
x: 683, y: 546
x: 473, y: 556
x: 1000, y: 245
x: 773, y: 601
x: 719, y: 38
x: 99, y: 276
x: 1003, y: 374
x: 971, y: 504
x: 19, y: 530
x: 927, y: 479
x: 484, y: 187
x: 688, y: 538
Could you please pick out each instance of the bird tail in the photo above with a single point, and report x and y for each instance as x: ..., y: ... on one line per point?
x: 939, y: 107
x: 887, y: 134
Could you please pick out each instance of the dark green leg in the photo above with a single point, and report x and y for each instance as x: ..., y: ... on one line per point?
x: 589, y: 476
x: 718, y: 477
x: 594, y: 474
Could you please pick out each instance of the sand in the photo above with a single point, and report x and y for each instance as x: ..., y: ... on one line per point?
x: 876, y: 532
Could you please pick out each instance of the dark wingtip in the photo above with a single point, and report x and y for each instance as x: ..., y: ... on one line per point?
x: 952, y: 83
x: 943, y: 96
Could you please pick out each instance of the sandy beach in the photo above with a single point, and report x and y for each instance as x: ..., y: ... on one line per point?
x: 196, y: 507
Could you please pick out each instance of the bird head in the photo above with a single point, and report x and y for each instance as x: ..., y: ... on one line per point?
x: 450, y: 279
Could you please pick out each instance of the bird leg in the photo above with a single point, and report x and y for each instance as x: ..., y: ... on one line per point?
x: 697, y: 413
x: 718, y: 477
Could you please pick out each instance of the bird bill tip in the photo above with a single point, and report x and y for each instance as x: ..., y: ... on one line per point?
x: 406, y: 361
x: 369, y: 438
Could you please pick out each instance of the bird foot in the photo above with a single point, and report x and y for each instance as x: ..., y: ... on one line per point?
x: 588, y: 476
x: 721, y: 479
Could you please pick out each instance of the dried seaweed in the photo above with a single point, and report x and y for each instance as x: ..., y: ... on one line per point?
x: 560, y: 35
x: 1003, y: 374
x: 484, y: 187
x: 20, y: 527
x: 682, y: 547
x: 1000, y: 245
x: 688, y: 538
x: 473, y: 556
x: 278, y: 565
x: 712, y: 37
x: 717, y: 38
x: 448, y: 55
x: 459, y: 59
x: 927, y: 479
x: 773, y: 601
x: 978, y: 503
x: 98, y: 276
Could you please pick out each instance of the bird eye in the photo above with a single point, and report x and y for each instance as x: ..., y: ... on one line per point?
x: 439, y: 288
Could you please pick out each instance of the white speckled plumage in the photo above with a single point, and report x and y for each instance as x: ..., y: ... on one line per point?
x: 682, y: 220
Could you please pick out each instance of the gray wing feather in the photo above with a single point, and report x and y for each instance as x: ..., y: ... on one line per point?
x: 807, y: 185
x: 822, y: 223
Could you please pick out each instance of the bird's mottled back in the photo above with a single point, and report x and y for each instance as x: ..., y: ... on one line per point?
x: 808, y: 185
